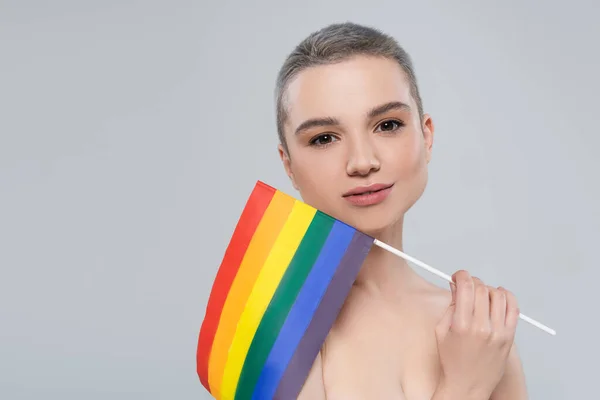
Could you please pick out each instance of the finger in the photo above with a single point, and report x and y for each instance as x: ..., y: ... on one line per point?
x: 453, y: 292
x: 497, y: 309
x: 512, y: 312
x: 465, y: 296
x: 444, y: 324
x: 481, y: 312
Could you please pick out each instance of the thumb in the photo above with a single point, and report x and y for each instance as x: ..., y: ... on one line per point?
x: 444, y: 324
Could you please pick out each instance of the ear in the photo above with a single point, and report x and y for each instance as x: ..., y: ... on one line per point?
x: 428, y: 132
x: 287, y: 164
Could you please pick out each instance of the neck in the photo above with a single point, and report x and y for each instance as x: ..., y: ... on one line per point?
x: 383, y: 272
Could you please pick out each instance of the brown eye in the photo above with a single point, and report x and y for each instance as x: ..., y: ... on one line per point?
x: 322, y: 140
x: 389, y: 126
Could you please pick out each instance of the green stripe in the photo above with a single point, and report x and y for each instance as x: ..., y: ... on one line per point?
x: 281, y: 303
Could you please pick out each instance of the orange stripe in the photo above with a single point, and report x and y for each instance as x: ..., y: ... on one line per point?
x: 253, y: 212
x: 266, y: 233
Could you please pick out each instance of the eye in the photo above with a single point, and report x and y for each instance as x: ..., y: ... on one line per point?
x: 390, y: 126
x: 322, y: 140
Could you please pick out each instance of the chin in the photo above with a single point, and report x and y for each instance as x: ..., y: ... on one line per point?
x: 374, y: 224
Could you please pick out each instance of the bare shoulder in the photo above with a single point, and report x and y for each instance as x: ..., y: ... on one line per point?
x: 421, y: 311
x: 430, y: 301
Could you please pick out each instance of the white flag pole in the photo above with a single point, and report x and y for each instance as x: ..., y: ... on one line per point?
x: 449, y: 279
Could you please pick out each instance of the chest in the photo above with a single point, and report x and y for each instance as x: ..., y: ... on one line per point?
x: 379, y: 355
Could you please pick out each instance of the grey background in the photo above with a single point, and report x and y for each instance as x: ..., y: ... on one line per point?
x: 131, y: 133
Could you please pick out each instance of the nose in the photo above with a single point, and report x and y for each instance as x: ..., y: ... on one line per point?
x: 363, y: 158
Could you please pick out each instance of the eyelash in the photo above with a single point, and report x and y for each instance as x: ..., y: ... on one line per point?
x: 397, y: 122
x: 313, y: 141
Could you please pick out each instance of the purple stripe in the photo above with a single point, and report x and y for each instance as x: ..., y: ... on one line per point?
x: 301, y: 363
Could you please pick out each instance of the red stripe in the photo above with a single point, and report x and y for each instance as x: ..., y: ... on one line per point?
x: 257, y: 204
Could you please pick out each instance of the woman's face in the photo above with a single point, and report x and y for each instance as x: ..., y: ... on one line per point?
x: 352, y: 125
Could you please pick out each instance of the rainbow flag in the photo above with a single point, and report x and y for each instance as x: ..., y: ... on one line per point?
x: 284, y: 277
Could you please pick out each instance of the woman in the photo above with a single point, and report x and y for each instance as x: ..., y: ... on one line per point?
x: 356, y: 144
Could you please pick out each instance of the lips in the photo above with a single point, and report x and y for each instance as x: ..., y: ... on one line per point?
x: 365, y: 190
x: 365, y: 196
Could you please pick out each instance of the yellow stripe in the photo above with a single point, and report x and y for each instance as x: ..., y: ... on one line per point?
x: 270, y: 275
x: 260, y: 246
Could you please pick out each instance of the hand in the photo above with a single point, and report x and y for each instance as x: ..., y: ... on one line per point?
x: 474, y: 338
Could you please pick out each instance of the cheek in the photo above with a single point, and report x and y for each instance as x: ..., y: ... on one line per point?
x: 312, y: 176
x: 408, y: 158
x: 410, y: 173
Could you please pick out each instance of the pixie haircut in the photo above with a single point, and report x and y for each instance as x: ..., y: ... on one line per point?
x: 337, y: 43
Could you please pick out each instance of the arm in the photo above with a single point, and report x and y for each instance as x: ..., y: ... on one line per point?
x: 512, y: 385
x: 314, y: 388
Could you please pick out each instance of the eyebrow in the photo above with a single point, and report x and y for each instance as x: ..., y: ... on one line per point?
x: 330, y: 121
x: 315, y: 123
x: 391, y: 106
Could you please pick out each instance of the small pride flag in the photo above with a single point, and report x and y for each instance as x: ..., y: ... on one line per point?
x: 284, y: 277
x: 282, y: 282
